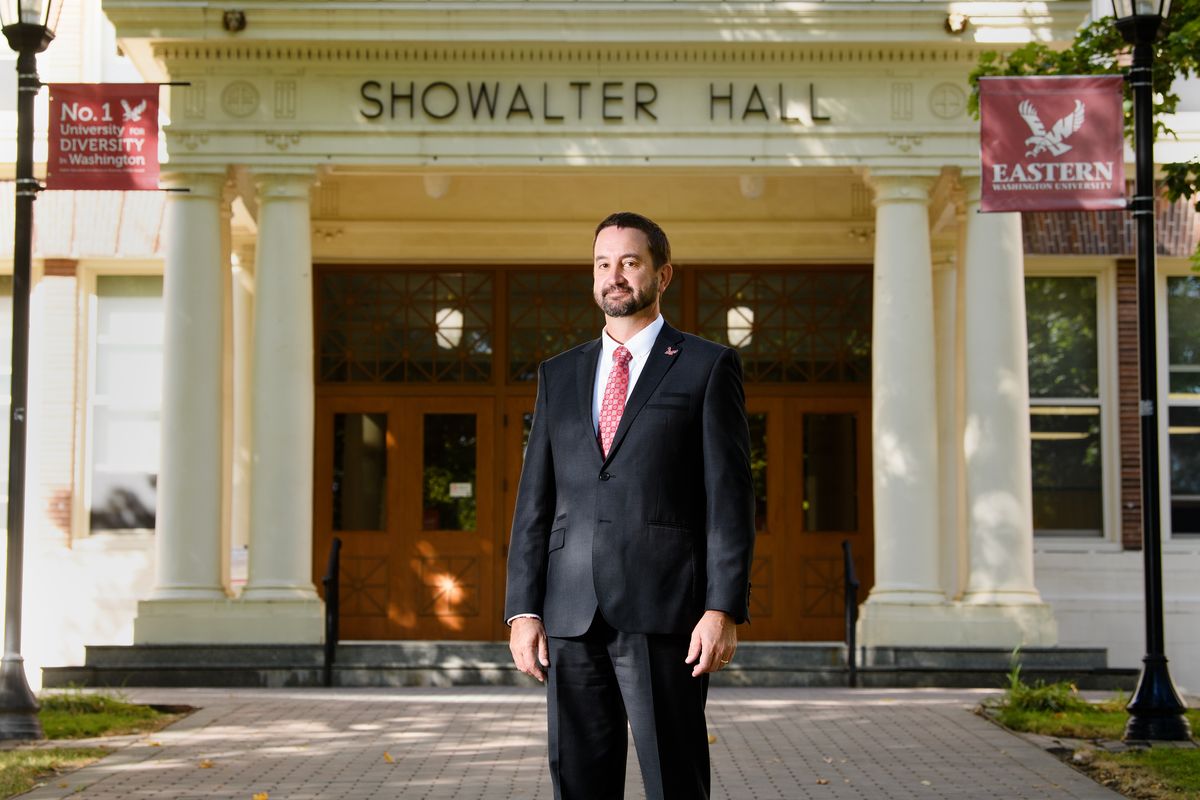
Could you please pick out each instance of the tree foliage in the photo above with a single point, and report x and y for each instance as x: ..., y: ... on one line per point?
x: 1098, y: 49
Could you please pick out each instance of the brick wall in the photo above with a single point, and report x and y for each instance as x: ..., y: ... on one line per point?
x: 1110, y: 233
x: 1127, y: 404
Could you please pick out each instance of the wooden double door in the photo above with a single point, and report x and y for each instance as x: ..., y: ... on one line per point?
x: 421, y: 491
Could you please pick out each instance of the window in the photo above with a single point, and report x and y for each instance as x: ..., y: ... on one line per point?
x: 126, y: 397
x: 804, y: 326
x: 1183, y: 413
x: 1064, y: 406
x: 380, y: 326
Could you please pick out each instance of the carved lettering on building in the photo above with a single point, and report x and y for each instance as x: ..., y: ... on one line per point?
x: 581, y: 101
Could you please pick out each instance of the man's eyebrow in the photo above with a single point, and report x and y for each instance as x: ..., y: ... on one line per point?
x: 622, y: 257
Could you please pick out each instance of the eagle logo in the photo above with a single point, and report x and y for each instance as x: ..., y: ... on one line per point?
x: 1052, y: 141
x: 134, y: 113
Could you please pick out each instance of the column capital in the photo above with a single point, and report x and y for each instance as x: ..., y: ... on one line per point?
x: 972, y: 183
x: 282, y: 183
x: 206, y: 184
x: 909, y: 186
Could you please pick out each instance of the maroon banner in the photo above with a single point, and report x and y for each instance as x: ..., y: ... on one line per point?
x: 103, y: 136
x: 1052, y: 143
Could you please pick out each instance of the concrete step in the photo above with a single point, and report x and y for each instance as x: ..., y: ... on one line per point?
x: 446, y: 663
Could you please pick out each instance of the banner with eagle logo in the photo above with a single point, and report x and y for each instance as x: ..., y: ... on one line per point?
x: 103, y: 136
x: 1052, y: 143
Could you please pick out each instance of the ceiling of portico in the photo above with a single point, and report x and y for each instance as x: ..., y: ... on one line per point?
x: 371, y: 215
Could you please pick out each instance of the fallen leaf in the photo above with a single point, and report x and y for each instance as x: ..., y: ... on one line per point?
x: 260, y: 796
x: 828, y: 760
x: 388, y: 758
x: 154, y: 744
x: 206, y: 763
x: 712, y: 738
x: 64, y: 785
x: 822, y: 781
x: 926, y: 783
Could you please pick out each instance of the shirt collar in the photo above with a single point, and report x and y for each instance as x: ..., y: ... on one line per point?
x: 639, y: 345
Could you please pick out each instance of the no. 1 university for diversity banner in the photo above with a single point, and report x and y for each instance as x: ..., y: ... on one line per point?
x: 103, y: 136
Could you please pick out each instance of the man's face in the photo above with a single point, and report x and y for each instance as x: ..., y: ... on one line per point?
x: 624, y: 280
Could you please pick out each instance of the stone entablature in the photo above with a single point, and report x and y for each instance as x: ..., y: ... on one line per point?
x: 459, y: 106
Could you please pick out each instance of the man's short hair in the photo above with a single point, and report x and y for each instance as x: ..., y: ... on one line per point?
x: 660, y: 248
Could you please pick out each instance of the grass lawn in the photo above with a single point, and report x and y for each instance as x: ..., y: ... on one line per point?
x: 22, y: 769
x: 79, y: 715
x: 1102, y: 721
x: 1158, y: 773
x: 74, y: 715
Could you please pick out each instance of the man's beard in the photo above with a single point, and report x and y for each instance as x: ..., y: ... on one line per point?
x: 633, y: 302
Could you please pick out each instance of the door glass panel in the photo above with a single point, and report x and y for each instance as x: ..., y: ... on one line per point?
x: 758, y: 467
x: 359, y: 472
x: 449, y: 472
x: 830, y: 472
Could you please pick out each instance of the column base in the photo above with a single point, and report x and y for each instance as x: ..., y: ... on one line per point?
x: 886, y: 624
x: 229, y: 621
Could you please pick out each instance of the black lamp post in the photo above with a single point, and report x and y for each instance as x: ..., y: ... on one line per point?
x: 29, y: 28
x: 1156, y: 711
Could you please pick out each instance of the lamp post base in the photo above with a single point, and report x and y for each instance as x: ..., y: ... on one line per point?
x: 1156, y: 712
x: 18, y: 706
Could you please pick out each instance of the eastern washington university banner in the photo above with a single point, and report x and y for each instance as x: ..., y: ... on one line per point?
x: 1052, y: 143
x: 103, y: 136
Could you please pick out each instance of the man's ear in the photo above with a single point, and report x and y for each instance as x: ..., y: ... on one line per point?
x: 666, y: 272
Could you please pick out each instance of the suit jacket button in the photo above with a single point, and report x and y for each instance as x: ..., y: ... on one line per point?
x: 605, y: 476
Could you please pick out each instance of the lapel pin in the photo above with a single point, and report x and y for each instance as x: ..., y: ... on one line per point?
x: 671, y: 351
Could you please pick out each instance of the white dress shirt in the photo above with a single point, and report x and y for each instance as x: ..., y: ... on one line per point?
x: 639, y: 347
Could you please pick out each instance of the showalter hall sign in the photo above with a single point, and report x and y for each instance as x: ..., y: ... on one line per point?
x: 1052, y: 143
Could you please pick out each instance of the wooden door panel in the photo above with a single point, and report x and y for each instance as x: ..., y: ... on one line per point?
x: 367, y: 538
x: 797, y: 575
x: 445, y: 578
x: 423, y: 568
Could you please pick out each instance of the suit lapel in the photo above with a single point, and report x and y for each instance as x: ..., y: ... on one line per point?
x: 585, y: 366
x: 662, y: 357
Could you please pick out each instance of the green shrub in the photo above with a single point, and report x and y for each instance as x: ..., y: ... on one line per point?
x: 1041, y: 696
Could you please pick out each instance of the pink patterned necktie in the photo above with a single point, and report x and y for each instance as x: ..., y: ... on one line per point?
x: 613, y: 405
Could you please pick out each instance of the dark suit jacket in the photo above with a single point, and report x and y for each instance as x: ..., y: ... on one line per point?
x: 662, y: 529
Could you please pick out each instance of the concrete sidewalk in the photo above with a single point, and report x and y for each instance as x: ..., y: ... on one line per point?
x: 490, y: 743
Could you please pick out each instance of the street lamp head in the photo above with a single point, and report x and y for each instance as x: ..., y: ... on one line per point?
x: 29, y: 24
x: 1126, y: 9
x: 1139, y: 20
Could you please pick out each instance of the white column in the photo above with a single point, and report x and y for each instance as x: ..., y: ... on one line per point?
x: 1007, y: 609
x: 948, y: 347
x: 188, y: 529
x: 227, y: 455
x: 907, y: 604
x: 243, y: 377
x: 282, y: 417
x: 188, y: 526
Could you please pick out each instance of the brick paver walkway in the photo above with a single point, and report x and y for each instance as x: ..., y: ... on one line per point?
x: 489, y: 743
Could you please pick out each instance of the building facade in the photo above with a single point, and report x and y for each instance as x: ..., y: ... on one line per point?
x: 386, y: 228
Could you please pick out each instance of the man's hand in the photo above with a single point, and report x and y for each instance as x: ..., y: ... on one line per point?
x: 714, y: 641
x: 527, y: 643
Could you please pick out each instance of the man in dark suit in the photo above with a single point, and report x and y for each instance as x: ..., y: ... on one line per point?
x: 629, y: 562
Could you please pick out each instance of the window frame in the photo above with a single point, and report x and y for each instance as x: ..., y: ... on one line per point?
x: 87, y: 276
x: 1168, y: 267
x: 1104, y: 271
